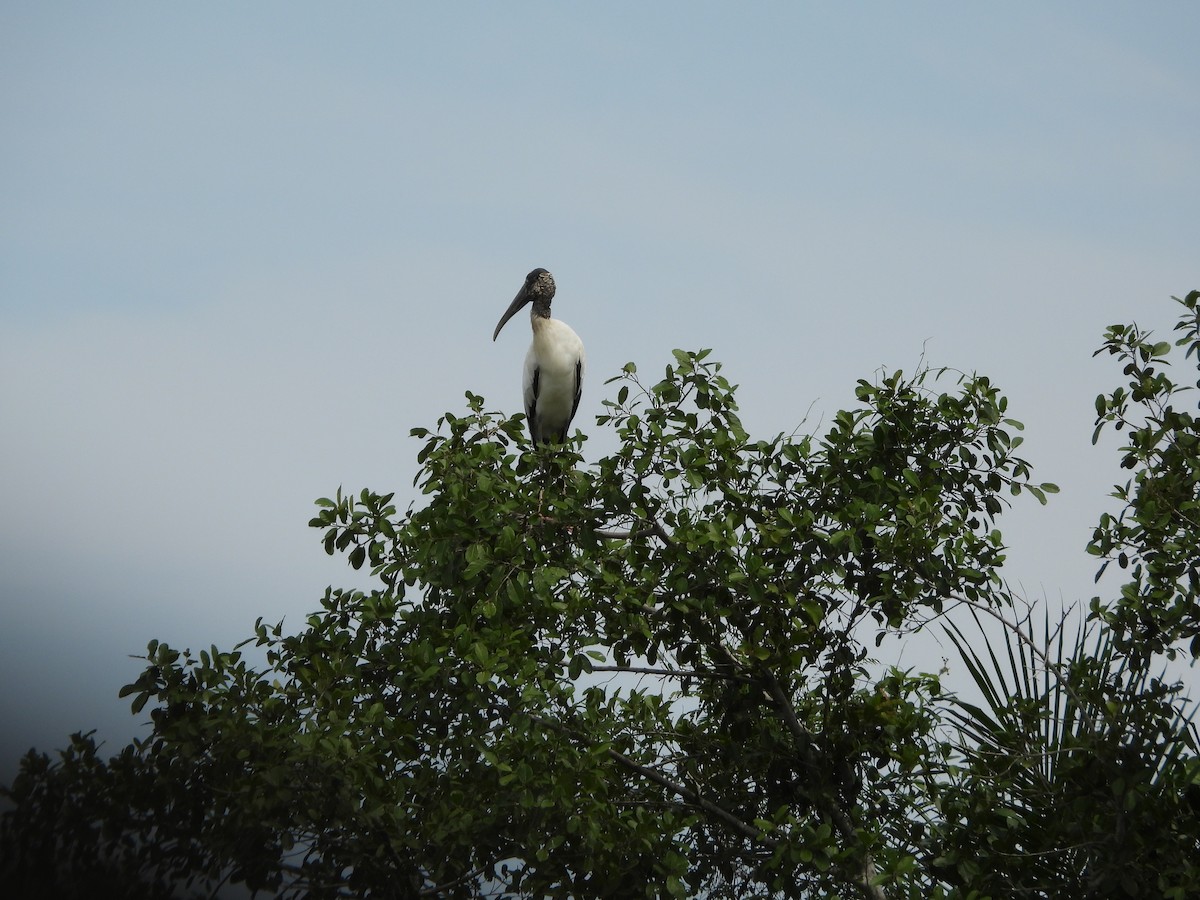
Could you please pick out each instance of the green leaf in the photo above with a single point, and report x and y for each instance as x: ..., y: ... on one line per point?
x: 580, y: 663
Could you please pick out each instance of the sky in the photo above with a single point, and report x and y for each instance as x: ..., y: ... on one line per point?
x: 245, y: 248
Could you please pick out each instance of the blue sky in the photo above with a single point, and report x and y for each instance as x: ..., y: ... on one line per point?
x: 244, y: 248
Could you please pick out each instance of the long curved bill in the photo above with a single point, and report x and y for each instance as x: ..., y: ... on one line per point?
x: 518, y: 301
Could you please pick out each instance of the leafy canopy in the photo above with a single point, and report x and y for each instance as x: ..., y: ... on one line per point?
x: 650, y: 676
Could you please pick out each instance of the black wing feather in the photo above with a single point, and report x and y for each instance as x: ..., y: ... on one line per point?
x: 531, y: 408
x: 578, y: 394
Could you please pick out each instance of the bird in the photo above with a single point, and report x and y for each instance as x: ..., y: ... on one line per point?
x: 553, y: 378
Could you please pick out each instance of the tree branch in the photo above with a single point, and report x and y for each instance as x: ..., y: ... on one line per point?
x: 694, y: 797
x: 439, y: 888
x: 672, y: 673
x: 691, y: 796
x: 841, y: 820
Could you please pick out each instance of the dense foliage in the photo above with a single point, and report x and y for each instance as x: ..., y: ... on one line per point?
x: 651, y: 676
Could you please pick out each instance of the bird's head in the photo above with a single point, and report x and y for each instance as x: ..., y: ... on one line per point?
x: 538, y: 289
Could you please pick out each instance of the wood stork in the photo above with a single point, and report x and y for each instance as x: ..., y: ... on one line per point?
x: 553, y: 365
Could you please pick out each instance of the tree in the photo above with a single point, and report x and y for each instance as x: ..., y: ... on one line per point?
x: 651, y: 676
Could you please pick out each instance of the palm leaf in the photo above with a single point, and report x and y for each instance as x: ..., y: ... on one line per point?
x: 1074, y: 760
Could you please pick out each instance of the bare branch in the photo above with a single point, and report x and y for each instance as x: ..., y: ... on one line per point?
x: 672, y: 673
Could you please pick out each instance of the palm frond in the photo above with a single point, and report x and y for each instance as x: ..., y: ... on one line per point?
x: 1075, y: 760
